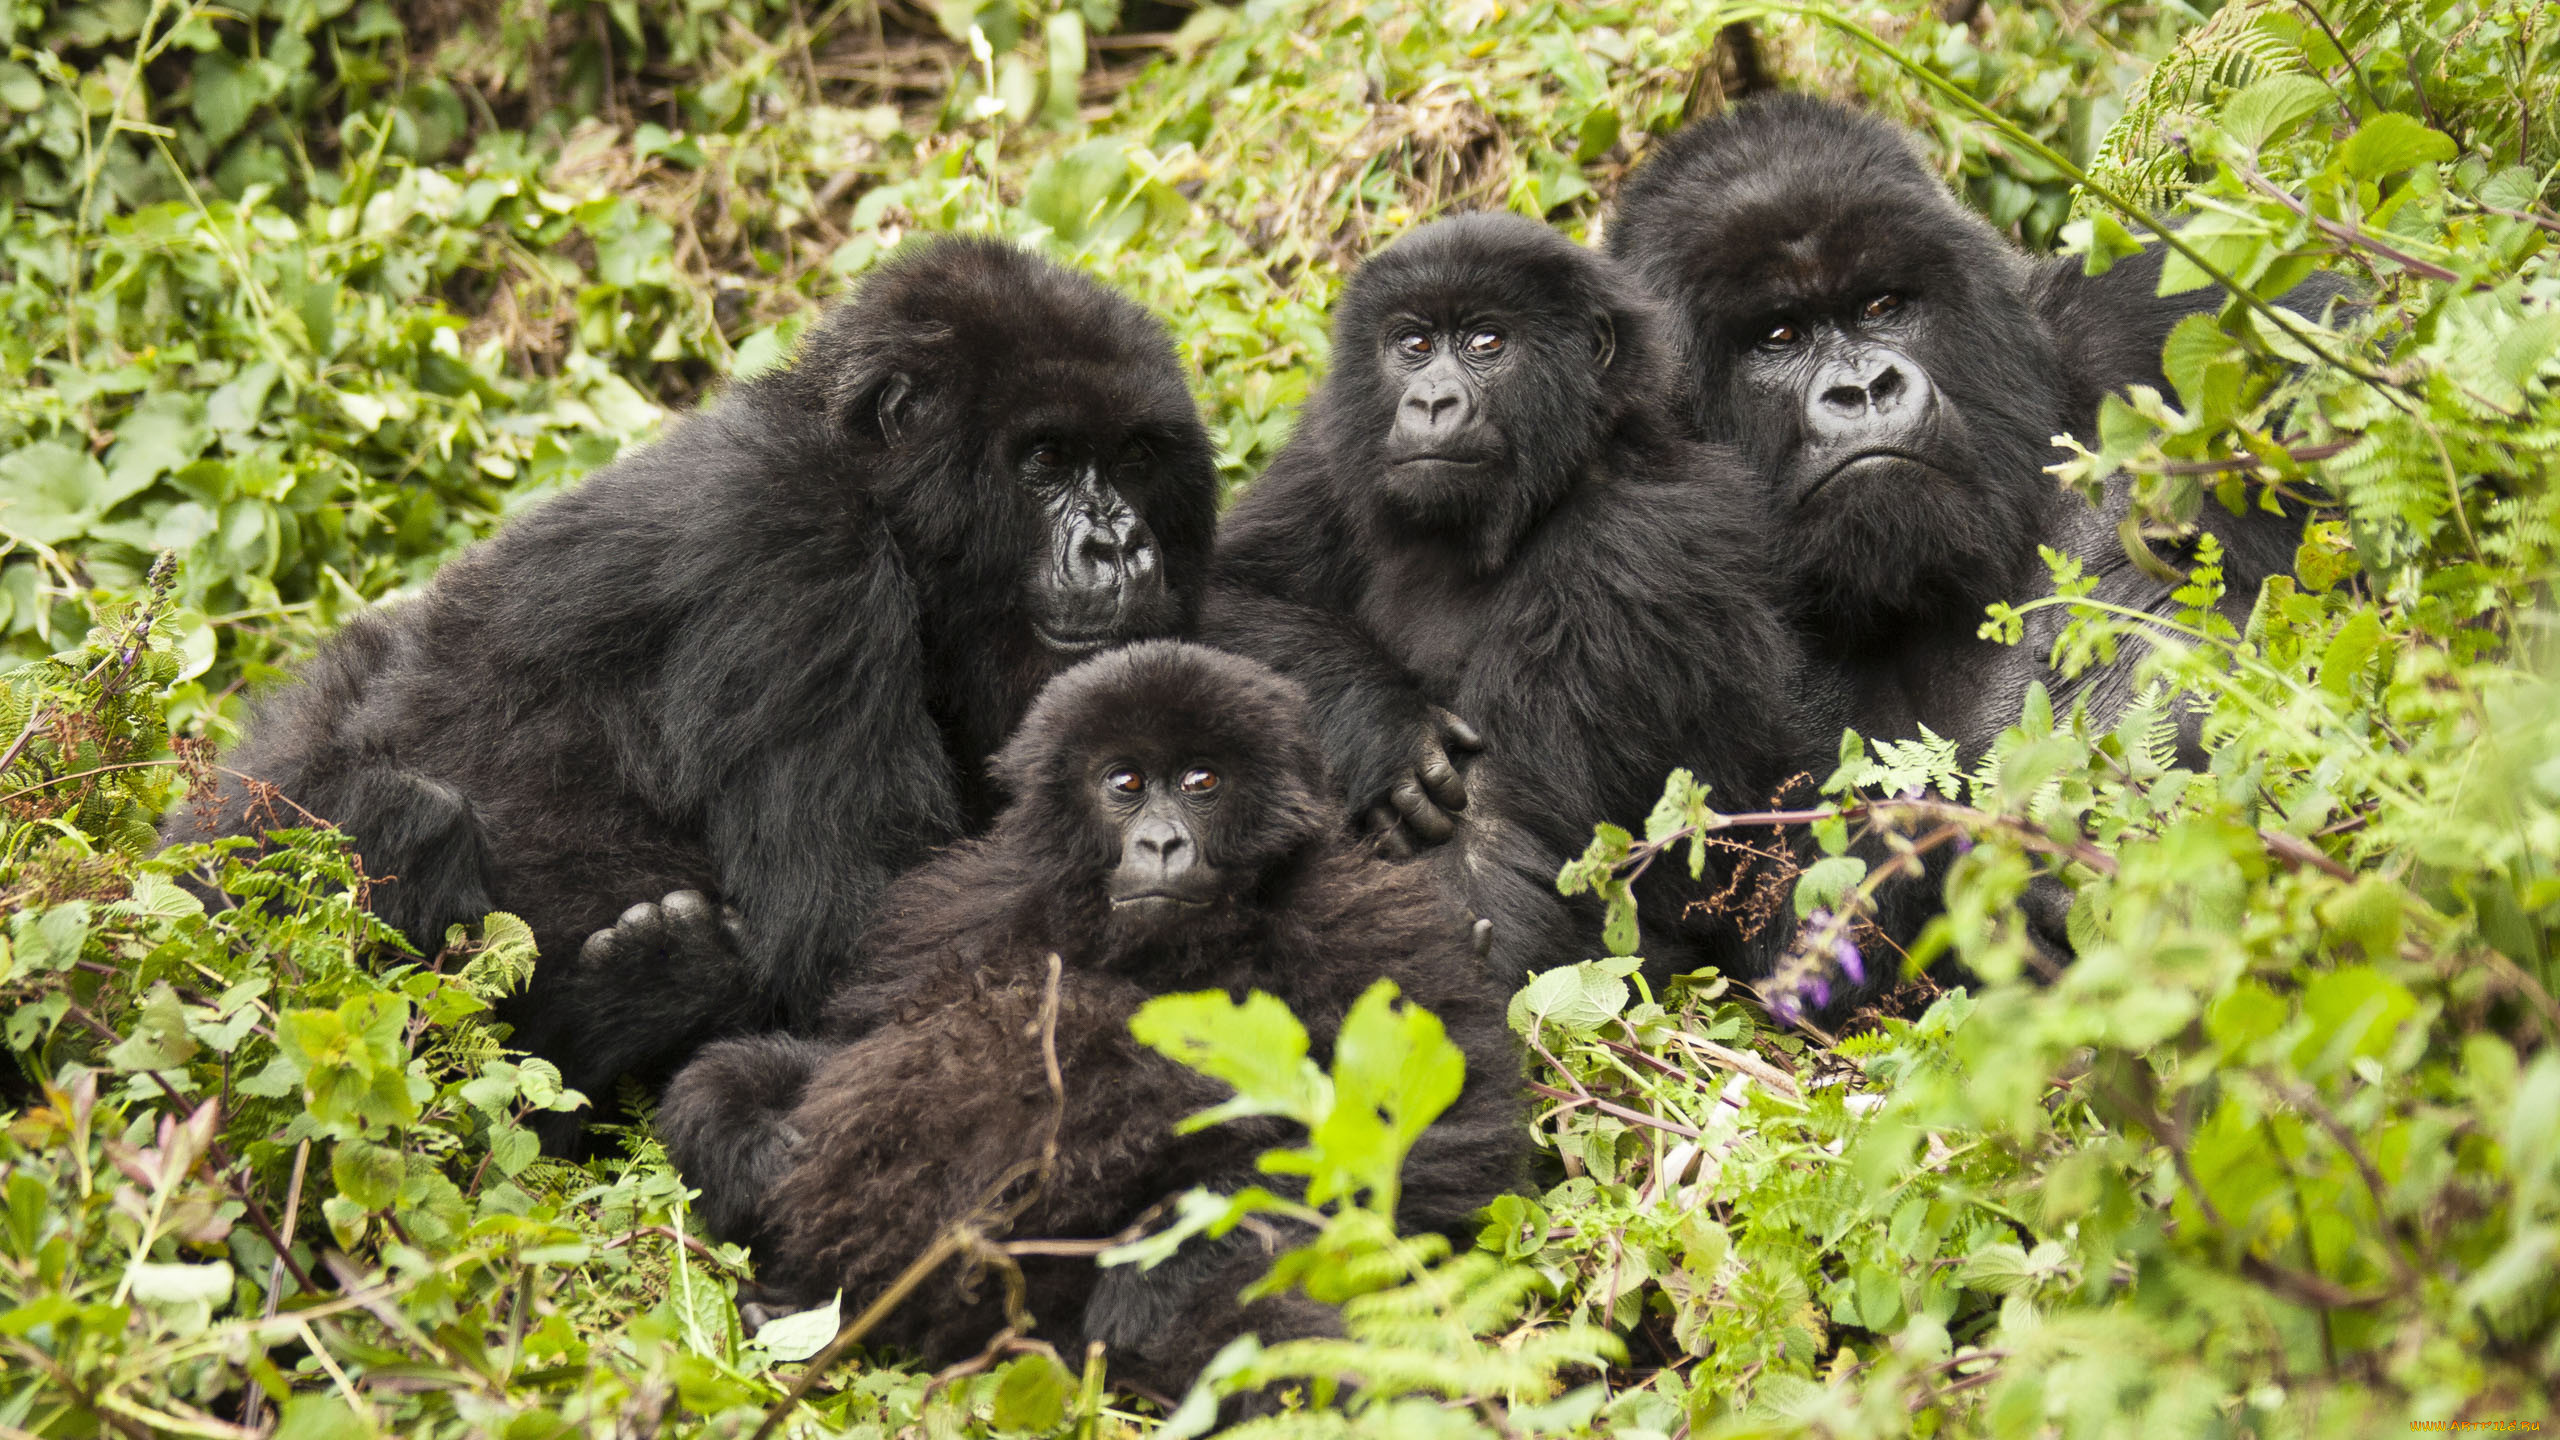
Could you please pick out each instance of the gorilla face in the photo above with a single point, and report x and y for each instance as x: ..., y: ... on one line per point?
x: 1867, y: 343
x: 1040, y: 443
x: 1100, y: 578
x: 1167, y: 782
x: 1481, y: 362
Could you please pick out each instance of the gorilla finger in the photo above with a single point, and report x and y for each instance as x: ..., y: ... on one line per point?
x: 1442, y: 782
x: 1381, y: 823
x: 1456, y: 734
x: 601, y: 950
x: 643, y: 924
x: 690, y: 918
x: 1426, y: 820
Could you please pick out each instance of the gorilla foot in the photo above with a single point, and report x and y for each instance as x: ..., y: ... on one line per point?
x: 683, y: 935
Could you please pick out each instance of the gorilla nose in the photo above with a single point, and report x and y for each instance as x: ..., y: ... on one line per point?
x: 1870, y: 398
x: 1434, y: 407
x: 1160, y: 850
x: 1111, y: 547
x: 1126, y: 549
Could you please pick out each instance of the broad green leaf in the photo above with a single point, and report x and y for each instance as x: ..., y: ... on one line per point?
x: 2266, y: 109
x: 1576, y: 999
x: 49, y: 492
x: 1258, y: 1047
x: 804, y: 1333
x: 1032, y: 1393
x: 2390, y: 143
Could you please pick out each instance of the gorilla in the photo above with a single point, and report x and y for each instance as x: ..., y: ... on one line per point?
x: 1894, y: 371
x: 764, y: 658
x: 1172, y: 828
x: 1492, y: 511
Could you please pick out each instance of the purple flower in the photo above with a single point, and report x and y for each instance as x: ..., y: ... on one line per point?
x: 1852, y: 963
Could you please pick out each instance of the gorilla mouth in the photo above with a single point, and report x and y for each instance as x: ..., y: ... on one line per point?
x: 1157, y: 898
x: 1882, y: 459
x: 1078, y: 643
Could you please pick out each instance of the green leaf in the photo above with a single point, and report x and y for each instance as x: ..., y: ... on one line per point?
x: 1597, y: 132
x: 1258, y: 1047
x: 2342, y: 663
x: 1823, y: 885
x: 367, y: 1174
x: 2390, y: 143
x: 803, y: 1333
x: 1394, y: 1071
x: 320, y: 1415
x: 1575, y: 999
x: 158, y: 1284
x: 20, y: 88
x: 2262, y: 111
x: 1032, y: 1393
x: 49, y: 492
x: 159, y: 1039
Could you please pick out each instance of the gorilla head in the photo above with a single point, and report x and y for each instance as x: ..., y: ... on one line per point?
x: 1164, y: 786
x: 1033, y: 426
x: 1867, y: 342
x: 1479, y: 364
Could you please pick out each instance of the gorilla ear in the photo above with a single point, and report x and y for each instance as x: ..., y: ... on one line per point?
x: 876, y: 406
x: 1604, y: 340
x: 889, y: 405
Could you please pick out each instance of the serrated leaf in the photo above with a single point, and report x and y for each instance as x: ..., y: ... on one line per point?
x: 1576, y: 999
x: 1031, y: 1394
x: 2390, y: 143
x: 2260, y: 112
x: 1257, y: 1047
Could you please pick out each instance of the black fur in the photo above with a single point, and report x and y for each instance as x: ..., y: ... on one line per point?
x: 841, y: 1167
x: 1796, y: 209
x: 764, y: 657
x: 1594, y: 595
x: 1776, y: 231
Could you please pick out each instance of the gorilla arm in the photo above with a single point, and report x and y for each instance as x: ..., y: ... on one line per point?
x: 817, y: 772
x: 1287, y: 582
x: 1642, y: 647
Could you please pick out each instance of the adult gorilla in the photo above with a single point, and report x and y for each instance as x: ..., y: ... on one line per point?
x: 764, y: 658
x: 1491, y: 511
x: 1894, y: 371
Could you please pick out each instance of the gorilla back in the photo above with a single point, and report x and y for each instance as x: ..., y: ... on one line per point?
x: 764, y: 657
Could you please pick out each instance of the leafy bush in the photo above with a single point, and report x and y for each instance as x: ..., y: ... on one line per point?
x: 306, y: 297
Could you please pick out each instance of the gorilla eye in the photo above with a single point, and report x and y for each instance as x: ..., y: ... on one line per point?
x: 1199, y: 780
x: 1135, y: 452
x: 1779, y: 336
x: 1413, y: 344
x: 1126, y: 780
x: 1883, y: 305
x: 1047, y: 455
x: 1485, y: 342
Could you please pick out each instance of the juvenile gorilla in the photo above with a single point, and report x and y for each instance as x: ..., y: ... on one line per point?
x: 763, y: 658
x: 1172, y: 830
x: 1492, y: 511
x: 1894, y: 371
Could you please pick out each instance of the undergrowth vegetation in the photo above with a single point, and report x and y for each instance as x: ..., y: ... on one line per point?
x: 302, y: 295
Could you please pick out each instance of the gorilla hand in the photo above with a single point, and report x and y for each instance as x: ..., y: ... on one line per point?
x: 1420, y: 809
x: 683, y: 940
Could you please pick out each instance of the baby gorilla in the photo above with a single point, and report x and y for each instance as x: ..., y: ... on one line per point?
x: 1170, y: 830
